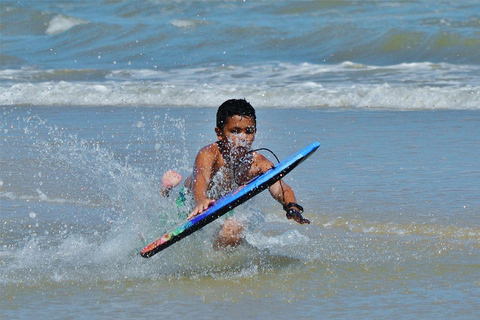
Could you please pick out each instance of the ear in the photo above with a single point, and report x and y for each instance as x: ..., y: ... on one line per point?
x: 218, y: 131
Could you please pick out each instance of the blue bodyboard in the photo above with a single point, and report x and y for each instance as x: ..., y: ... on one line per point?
x: 230, y: 201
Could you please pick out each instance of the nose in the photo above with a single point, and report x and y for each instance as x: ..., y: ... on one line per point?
x: 241, y: 140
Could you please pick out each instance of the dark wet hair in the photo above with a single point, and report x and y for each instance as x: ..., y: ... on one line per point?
x: 234, y: 107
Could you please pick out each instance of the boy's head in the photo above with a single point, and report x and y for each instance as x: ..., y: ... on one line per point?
x: 236, y: 126
x: 234, y: 107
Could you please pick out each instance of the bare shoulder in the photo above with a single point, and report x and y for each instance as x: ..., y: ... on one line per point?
x: 210, y: 150
x: 260, y: 163
x: 208, y: 156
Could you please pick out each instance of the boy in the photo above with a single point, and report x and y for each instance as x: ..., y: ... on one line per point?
x: 224, y: 165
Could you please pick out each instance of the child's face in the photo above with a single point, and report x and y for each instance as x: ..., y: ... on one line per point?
x: 238, y: 133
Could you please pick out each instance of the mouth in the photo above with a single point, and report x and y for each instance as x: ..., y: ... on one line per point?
x: 240, y: 150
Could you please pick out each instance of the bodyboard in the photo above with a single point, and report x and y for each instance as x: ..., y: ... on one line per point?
x: 230, y: 201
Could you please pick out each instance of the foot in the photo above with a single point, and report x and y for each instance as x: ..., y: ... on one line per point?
x: 170, y: 180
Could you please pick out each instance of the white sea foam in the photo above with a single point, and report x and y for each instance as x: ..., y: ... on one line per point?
x: 405, y: 229
x: 184, y: 23
x: 414, y: 86
x: 41, y: 197
x: 289, y: 238
x: 160, y: 94
x: 62, y: 23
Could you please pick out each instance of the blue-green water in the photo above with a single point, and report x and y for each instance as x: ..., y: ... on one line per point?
x: 98, y: 100
x: 357, y: 54
x: 392, y: 196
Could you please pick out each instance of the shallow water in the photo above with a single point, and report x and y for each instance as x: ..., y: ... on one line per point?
x: 98, y: 101
x: 392, y: 197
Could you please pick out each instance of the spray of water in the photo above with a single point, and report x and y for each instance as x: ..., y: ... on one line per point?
x: 92, y: 205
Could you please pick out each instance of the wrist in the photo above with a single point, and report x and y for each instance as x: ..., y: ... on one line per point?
x: 292, y: 206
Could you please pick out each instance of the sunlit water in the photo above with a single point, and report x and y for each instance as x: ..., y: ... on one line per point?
x: 392, y: 196
x: 97, y: 101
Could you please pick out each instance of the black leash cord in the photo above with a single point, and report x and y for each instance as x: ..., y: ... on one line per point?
x: 278, y: 161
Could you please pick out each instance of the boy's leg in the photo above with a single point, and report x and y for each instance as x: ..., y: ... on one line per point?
x: 229, y: 235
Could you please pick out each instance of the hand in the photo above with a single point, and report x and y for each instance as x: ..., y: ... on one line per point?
x: 296, y: 215
x: 201, y: 207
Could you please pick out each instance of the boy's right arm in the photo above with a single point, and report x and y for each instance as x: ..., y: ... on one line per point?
x: 202, y: 172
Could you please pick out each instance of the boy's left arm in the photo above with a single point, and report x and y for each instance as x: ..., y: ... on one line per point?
x: 283, y: 193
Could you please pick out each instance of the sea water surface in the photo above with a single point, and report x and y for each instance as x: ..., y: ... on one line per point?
x: 99, y: 99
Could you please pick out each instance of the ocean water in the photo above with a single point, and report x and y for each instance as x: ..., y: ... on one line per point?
x: 99, y: 99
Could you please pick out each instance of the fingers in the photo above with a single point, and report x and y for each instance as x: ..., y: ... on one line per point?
x: 194, y: 213
x: 302, y: 220
x: 201, y: 207
x: 297, y: 216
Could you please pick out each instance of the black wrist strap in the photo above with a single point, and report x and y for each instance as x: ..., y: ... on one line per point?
x: 293, y: 205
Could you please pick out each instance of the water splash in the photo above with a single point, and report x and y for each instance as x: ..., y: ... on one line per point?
x: 90, y: 204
